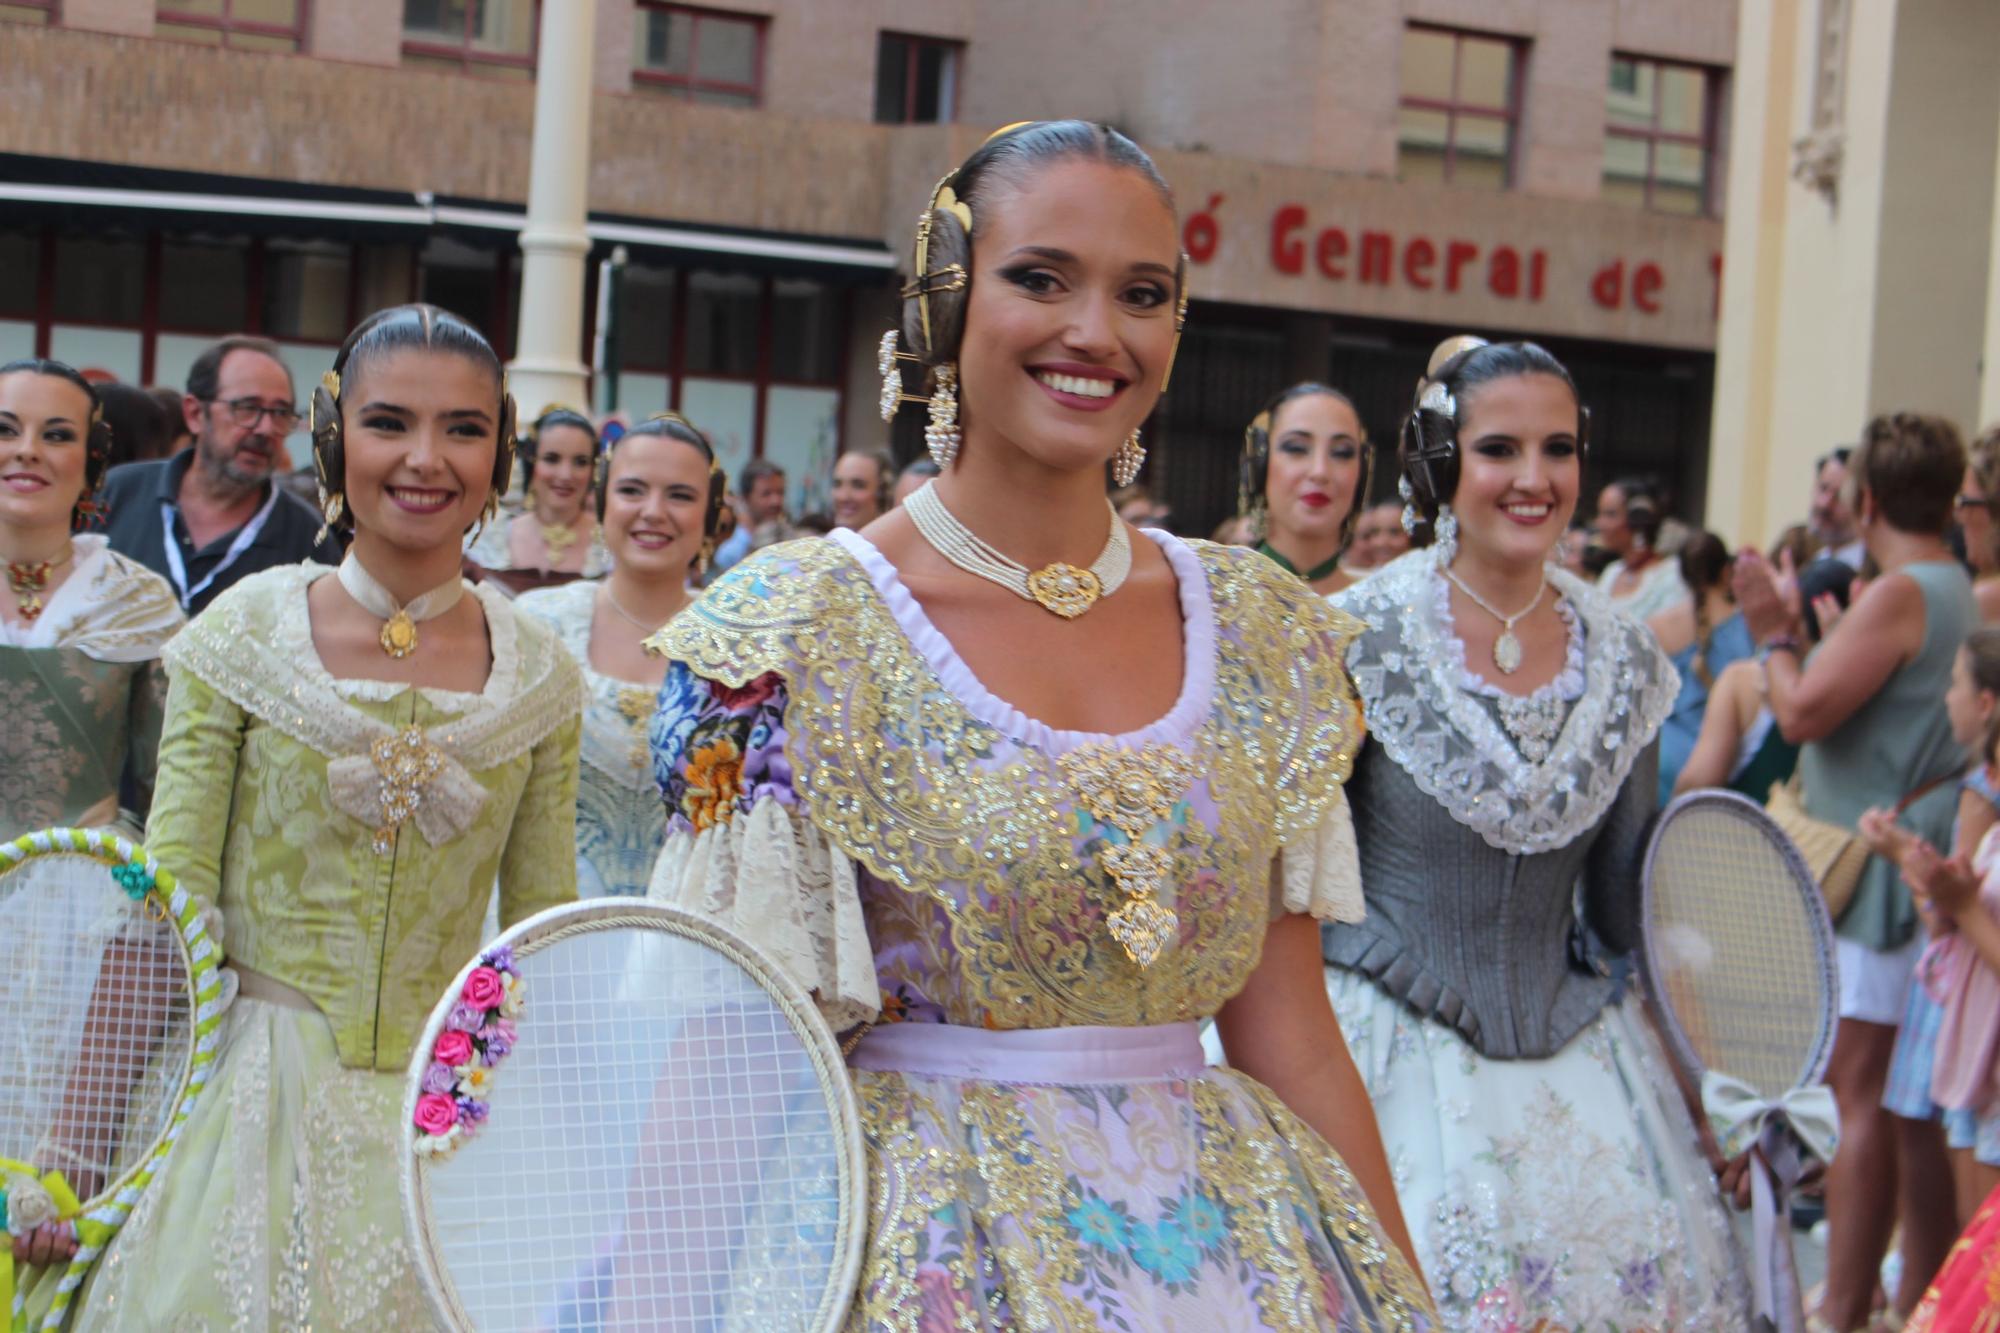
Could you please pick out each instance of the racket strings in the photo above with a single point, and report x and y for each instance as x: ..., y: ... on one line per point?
x: 657, y: 1142
x: 1736, y: 950
x: 99, y: 1027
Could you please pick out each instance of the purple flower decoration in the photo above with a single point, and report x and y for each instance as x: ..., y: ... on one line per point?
x: 500, y: 959
x: 438, y: 1078
x: 471, y: 1111
x: 465, y: 1018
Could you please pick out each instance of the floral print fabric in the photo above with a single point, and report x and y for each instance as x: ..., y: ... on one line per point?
x: 1170, y: 1203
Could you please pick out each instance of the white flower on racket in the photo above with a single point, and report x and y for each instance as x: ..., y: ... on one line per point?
x: 439, y: 1145
x: 29, y: 1204
x: 511, y: 1006
x: 474, y: 1080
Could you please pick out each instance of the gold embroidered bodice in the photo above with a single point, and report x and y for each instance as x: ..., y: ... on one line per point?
x: 994, y: 851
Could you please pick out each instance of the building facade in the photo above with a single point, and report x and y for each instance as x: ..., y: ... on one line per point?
x: 1864, y: 242
x: 1358, y: 179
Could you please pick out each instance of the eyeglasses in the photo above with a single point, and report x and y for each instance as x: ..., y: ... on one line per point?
x: 246, y: 412
x: 1971, y: 502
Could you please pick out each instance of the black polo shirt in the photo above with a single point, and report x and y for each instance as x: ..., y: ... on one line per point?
x: 133, y: 494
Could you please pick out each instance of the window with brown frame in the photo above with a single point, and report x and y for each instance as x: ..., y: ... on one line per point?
x: 28, y: 11
x: 698, y: 54
x: 243, y: 25
x: 916, y: 79
x: 1460, y: 107
x: 1660, y: 127
x: 490, y: 37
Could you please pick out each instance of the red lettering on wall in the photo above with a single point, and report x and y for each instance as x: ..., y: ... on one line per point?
x: 1457, y: 254
x: 1288, y: 254
x: 1608, y: 287
x: 1418, y: 258
x: 1503, y: 275
x: 1646, y: 283
x: 1332, y: 248
x: 1538, y: 272
x: 1378, y: 250
x: 1715, y: 275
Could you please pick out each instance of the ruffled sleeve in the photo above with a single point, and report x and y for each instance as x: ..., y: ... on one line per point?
x: 739, y: 850
x: 1319, y: 873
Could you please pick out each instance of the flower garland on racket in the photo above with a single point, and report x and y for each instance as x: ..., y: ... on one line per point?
x: 478, y: 1034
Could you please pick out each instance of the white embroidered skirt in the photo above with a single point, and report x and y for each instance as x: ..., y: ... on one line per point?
x: 1569, y: 1190
x: 279, y: 1207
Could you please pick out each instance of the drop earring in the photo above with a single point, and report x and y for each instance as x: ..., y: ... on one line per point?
x: 1131, y: 456
x: 941, y: 433
x: 1445, y: 534
x: 1409, y: 498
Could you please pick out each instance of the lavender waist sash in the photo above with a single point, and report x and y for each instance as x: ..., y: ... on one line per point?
x: 1068, y: 1056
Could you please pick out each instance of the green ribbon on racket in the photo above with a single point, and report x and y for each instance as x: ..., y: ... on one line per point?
x: 21, y: 1177
x: 95, y: 1228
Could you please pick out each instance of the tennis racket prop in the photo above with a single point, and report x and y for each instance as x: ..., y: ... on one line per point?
x: 112, y: 1004
x: 622, y: 1116
x: 1739, y: 961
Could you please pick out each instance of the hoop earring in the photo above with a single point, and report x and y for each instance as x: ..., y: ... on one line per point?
x: 1445, y: 534
x: 941, y: 434
x: 1131, y: 456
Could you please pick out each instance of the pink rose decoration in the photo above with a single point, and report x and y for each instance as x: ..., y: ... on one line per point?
x: 453, y: 1048
x: 484, y: 989
x: 436, y: 1113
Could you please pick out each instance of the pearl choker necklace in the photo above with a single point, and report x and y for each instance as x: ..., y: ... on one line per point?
x: 399, y: 622
x: 1061, y: 589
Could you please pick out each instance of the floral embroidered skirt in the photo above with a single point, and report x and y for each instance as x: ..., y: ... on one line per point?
x: 1180, y: 1199
x: 1564, y: 1195
x: 279, y: 1207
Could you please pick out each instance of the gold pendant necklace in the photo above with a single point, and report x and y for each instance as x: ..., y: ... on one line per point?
x: 399, y: 621
x: 30, y: 578
x: 556, y: 539
x: 1061, y: 589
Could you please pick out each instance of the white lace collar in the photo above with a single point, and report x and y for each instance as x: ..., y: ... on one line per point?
x: 109, y: 608
x: 254, y: 646
x: 1409, y: 668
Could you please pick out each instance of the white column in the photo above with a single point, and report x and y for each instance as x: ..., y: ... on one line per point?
x: 547, y: 366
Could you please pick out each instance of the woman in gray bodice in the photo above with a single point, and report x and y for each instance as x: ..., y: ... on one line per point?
x: 1545, y: 1159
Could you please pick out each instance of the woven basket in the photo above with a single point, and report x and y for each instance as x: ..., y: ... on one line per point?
x: 1834, y: 855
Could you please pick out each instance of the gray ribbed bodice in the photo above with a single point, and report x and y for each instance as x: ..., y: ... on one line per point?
x: 1478, y: 937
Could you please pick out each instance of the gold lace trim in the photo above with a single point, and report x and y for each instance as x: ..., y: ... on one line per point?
x: 904, y: 780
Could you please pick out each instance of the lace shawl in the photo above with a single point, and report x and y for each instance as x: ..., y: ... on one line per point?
x: 254, y: 646
x: 110, y: 608
x: 1408, y: 669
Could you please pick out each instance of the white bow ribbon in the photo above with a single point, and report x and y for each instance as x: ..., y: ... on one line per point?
x: 1740, y: 1114
x: 1782, y: 1136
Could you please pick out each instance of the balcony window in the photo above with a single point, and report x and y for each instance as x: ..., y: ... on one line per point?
x: 1460, y: 107
x: 244, y: 25
x: 698, y: 54
x: 490, y: 37
x: 916, y: 79
x: 1660, y: 135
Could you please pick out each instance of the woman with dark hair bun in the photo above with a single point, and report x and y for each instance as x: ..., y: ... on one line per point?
x: 556, y: 538
x: 1306, y: 461
x: 352, y: 885
x: 1024, y: 794
x: 81, y: 627
x: 660, y: 502
x: 1541, y: 1143
x: 1703, y: 635
x: 1640, y: 581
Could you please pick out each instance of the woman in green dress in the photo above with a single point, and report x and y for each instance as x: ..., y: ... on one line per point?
x: 81, y: 626
x: 353, y: 885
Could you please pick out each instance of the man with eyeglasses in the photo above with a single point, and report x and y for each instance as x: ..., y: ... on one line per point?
x: 212, y: 513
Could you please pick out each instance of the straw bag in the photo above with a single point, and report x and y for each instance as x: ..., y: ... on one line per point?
x: 1836, y: 856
